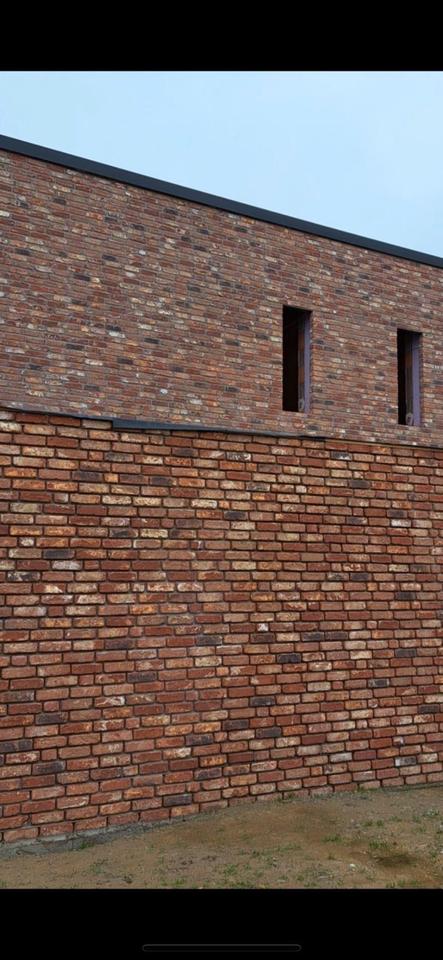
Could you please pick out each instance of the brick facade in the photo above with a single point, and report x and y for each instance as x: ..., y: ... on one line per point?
x: 191, y: 619
x: 123, y: 302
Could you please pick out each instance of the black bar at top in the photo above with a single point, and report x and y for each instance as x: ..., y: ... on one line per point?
x: 108, y: 172
x: 221, y: 947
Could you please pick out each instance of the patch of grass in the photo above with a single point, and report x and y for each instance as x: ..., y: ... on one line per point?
x: 429, y: 814
x: 97, y: 867
x: 231, y: 870
x: 383, y: 851
x: 268, y: 856
x: 333, y: 838
x: 288, y: 848
x: 315, y: 877
x: 436, y: 853
x: 379, y: 845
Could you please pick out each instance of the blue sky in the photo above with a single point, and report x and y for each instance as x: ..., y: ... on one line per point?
x: 361, y: 152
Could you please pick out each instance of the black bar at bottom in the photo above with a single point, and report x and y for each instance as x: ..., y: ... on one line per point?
x: 221, y: 947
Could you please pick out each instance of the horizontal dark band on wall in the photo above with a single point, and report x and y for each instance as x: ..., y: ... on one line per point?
x: 119, y: 423
x: 108, y: 172
x: 122, y: 424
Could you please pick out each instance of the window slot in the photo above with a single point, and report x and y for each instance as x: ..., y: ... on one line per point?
x: 408, y: 367
x: 296, y: 359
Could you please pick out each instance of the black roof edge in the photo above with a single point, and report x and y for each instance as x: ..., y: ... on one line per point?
x: 49, y: 155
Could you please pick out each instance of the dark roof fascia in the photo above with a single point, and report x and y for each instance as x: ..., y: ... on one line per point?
x: 96, y: 169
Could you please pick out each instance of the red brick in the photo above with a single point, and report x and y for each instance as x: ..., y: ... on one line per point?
x: 193, y: 620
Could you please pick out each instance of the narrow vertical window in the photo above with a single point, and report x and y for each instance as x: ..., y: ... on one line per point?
x: 408, y: 367
x: 296, y: 359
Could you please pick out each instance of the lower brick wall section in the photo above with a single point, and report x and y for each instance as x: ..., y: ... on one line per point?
x: 189, y: 620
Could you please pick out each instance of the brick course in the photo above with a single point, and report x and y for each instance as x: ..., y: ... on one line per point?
x: 189, y: 620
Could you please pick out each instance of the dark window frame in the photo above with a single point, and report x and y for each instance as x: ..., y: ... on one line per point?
x: 409, y: 345
x: 296, y: 359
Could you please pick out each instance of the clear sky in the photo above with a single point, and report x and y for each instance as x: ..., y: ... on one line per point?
x: 361, y: 152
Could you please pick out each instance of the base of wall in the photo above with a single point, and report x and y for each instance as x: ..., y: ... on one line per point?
x: 78, y: 840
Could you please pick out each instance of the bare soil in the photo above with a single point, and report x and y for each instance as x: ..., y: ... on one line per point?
x: 369, y: 838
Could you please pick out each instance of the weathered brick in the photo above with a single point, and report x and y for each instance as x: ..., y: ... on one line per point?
x: 178, y: 800
x: 288, y: 658
x: 218, y: 614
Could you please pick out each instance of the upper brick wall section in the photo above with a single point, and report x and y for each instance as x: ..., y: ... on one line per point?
x: 123, y: 302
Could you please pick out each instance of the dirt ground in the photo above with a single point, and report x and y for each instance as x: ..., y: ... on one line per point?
x: 370, y: 838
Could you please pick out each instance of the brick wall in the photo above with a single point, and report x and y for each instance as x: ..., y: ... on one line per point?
x: 193, y: 619
x: 123, y: 302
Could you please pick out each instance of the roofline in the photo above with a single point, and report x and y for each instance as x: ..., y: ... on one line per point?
x: 83, y: 165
